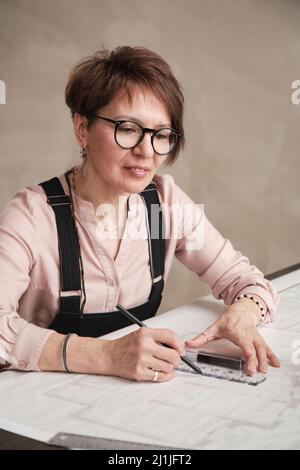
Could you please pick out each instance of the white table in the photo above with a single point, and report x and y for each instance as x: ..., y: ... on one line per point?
x: 188, y: 412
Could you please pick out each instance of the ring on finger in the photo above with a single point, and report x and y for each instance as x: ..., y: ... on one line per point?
x: 205, y: 336
x: 155, y: 376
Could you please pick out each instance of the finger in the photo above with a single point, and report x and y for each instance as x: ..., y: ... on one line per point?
x: 273, y: 359
x: 251, y: 359
x: 208, y: 335
x: 169, y: 338
x: 161, y: 376
x: 161, y: 366
x: 261, y: 354
x: 166, y: 354
x: 248, y: 352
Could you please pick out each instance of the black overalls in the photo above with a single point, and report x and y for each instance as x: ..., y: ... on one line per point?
x: 70, y: 318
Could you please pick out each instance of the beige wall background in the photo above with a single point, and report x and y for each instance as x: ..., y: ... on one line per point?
x: 236, y: 60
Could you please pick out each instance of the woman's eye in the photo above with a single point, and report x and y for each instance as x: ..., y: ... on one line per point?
x: 127, y: 130
x: 162, y: 136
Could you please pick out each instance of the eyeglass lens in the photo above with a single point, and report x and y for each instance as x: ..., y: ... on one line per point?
x: 128, y: 135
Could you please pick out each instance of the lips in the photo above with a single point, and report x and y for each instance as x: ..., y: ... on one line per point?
x: 137, y: 167
x: 137, y: 171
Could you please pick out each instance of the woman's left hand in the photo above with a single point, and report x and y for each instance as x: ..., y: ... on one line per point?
x: 238, y: 324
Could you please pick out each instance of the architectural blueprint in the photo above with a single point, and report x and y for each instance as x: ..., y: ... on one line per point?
x: 191, y: 411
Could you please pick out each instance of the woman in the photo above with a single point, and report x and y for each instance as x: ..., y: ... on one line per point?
x: 68, y: 256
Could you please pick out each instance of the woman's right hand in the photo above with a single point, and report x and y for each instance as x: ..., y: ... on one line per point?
x: 137, y: 355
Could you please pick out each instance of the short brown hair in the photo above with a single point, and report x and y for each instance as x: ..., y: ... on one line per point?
x: 95, y: 80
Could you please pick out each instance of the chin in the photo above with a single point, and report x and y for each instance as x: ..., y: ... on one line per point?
x: 136, y: 185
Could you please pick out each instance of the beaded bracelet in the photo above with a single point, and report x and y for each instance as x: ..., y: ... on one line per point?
x: 263, y: 314
x: 64, y: 352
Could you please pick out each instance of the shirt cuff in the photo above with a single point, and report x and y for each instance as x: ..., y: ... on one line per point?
x: 28, y: 347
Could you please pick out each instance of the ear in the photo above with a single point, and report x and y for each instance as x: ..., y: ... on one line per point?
x: 81, y: 129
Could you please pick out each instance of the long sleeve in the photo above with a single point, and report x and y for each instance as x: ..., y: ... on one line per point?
x: 228, y: 273
x: 21, y: 342
x: 203, y: 250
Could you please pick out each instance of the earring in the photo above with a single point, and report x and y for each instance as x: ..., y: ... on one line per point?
x: 83, y: 152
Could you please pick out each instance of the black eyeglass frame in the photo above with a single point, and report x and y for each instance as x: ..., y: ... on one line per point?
x: 117, y: 123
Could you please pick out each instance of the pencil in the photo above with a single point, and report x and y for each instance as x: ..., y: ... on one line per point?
x: 140, y: 323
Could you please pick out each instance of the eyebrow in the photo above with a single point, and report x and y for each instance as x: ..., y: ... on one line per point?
x: 132, y: 118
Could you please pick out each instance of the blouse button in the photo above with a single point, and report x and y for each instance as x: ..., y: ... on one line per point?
x: 111, y: 283
x: 22, y: 364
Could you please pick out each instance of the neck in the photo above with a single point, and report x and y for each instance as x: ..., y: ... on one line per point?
x: 90, y: 188
x: 110, y: 208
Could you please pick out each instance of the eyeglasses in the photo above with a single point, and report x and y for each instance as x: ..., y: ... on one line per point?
x: 129, y: 134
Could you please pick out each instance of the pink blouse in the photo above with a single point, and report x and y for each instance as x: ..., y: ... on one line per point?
x: 29, y: 264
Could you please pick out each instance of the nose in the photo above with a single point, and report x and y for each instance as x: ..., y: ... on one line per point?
x: 144, y: 148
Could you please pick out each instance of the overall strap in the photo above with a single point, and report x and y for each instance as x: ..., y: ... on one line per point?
x: 156, y: 230
x: 68, y: 244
